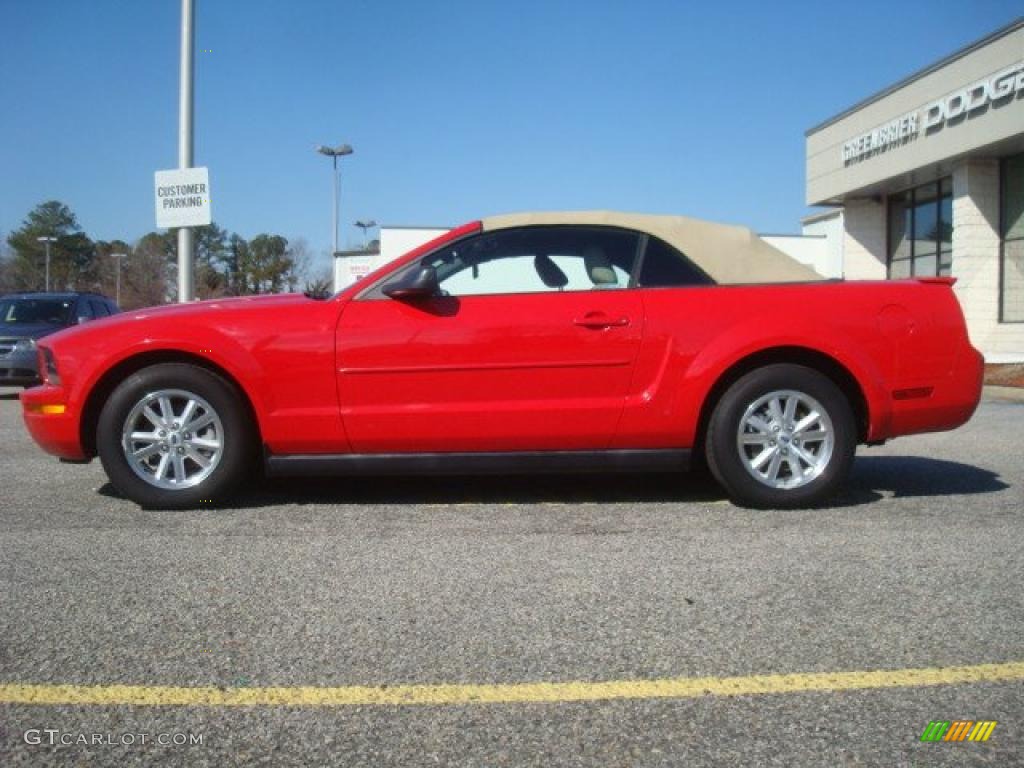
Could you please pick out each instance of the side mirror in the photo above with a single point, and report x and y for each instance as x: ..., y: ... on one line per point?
x: 416, y: 285
x: 83, y: 319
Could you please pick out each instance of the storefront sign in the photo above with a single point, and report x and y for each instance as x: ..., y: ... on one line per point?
x: 933, y: 117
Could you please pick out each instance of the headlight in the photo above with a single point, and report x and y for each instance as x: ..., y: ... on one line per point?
x: 48, y: 366
x: 25, y: 345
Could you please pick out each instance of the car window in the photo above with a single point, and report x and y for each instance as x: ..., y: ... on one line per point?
x: 663, y: 266
x: 99, y: 308
x: 35, y: 311
x: 535, y: 260
x: 84, y: 310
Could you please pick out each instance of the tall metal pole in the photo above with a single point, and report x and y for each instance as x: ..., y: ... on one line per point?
x: 117, y: 294
x: 46, y: 240
x: 334, y: 153
x: 337, y: 194
x: 185, y: 140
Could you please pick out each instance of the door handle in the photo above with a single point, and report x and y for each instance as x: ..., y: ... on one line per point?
x: 600, y: 320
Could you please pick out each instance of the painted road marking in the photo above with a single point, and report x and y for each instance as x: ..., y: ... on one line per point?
x: 510, y: 693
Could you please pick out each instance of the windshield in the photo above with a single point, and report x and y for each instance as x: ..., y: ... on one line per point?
x: 35, y: 311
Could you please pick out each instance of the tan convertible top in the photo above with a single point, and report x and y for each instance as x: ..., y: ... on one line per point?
x: 728, y: 254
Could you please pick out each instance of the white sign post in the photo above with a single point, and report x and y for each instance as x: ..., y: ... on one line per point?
x: 183, y: 198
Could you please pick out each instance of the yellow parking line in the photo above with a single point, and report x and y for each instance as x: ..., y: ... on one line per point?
x: 399, y: 695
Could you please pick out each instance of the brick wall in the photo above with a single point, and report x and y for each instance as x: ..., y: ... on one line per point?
x: 976, y: 259
x: 864, y: 240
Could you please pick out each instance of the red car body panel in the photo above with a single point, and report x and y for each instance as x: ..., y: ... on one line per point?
x: 574, y: 370
x: 486, y: 373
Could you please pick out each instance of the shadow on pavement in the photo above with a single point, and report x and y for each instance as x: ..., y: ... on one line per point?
x: 905, y: 476
x: 873, y: 477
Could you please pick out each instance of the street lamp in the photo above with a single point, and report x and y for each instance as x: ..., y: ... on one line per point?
x: 334, y: 153
x: 47, y: 239
x: 365, y: 224
x: 118, y: 257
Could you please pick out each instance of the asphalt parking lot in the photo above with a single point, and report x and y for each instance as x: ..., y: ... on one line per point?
x: 337, y: 592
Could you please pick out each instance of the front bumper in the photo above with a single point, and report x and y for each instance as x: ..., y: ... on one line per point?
x: 53, y: 423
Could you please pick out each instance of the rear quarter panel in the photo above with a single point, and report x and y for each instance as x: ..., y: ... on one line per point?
x: 890, y: 336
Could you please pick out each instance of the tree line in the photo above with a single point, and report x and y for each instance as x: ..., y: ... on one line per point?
x: 226, y: 264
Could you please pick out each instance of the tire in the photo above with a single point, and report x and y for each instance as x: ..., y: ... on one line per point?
x: 183, y: 465
x: 765, y: 461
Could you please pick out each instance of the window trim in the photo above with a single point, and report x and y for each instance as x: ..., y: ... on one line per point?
x: 912, y: 205
x: 1003, y: 239
x: 375, y: 292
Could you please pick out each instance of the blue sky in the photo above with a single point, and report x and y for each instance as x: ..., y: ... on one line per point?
x: 455, y: 109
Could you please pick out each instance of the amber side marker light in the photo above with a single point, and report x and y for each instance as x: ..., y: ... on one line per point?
x: 47, y: 409
x: 912, y: 394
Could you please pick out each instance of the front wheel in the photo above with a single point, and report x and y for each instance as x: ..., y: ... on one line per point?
x: 782, y: 436
x: 175, y: 436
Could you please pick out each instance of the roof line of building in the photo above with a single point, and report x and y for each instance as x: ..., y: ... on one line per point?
x: 821, y: 215
x: 790, y: 234
x: 1013, y: 26
x: 357, y: 252
x: 411, y: 226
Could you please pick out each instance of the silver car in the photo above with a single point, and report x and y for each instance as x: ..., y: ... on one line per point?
x: 26, y: 317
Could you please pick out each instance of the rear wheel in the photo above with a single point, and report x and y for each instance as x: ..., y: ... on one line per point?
x: 175, y: 436
x: 782, y: 436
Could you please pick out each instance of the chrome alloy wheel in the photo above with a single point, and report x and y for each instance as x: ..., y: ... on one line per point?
x: 785, y: 439
x: 173, y: 439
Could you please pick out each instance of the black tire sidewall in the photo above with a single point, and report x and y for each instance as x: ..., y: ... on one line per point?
x: 726, y: 463
x: 236, y: 461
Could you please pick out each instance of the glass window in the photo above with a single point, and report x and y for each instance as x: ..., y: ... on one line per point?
x: 84, y: 310
x: 946, y: 215
x: 1013, y: 197
x: 536, y: 259
x: 898, y: 269
x: 1013, y: 281
x: 900, y: 217
x: 926, y: 220
x: 1011, y: 286
x: 664, y: 266
x: 99, y: 308
x: 921, y: 231
x: 32, y: 311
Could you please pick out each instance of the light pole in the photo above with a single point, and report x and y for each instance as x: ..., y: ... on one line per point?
x: 334, y: 153
x: 118, y: 257
x: 47, y: 239
x: 365, y: 224
x: 185, y: 126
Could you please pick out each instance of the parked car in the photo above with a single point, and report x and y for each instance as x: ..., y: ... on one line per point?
x: 523, y: 343
x: 27, y: 317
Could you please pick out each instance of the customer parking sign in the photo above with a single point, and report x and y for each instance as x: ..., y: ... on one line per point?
x: 183, y: 198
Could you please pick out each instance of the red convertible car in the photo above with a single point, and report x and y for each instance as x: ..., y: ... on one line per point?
x: 546, y: 342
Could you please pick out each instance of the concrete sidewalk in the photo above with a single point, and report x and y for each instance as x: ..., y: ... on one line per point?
x: 1003, y: 394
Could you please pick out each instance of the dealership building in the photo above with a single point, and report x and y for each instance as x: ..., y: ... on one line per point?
x: 926, y: 178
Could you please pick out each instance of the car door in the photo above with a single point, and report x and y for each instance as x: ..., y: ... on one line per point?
x: 529, y: 345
